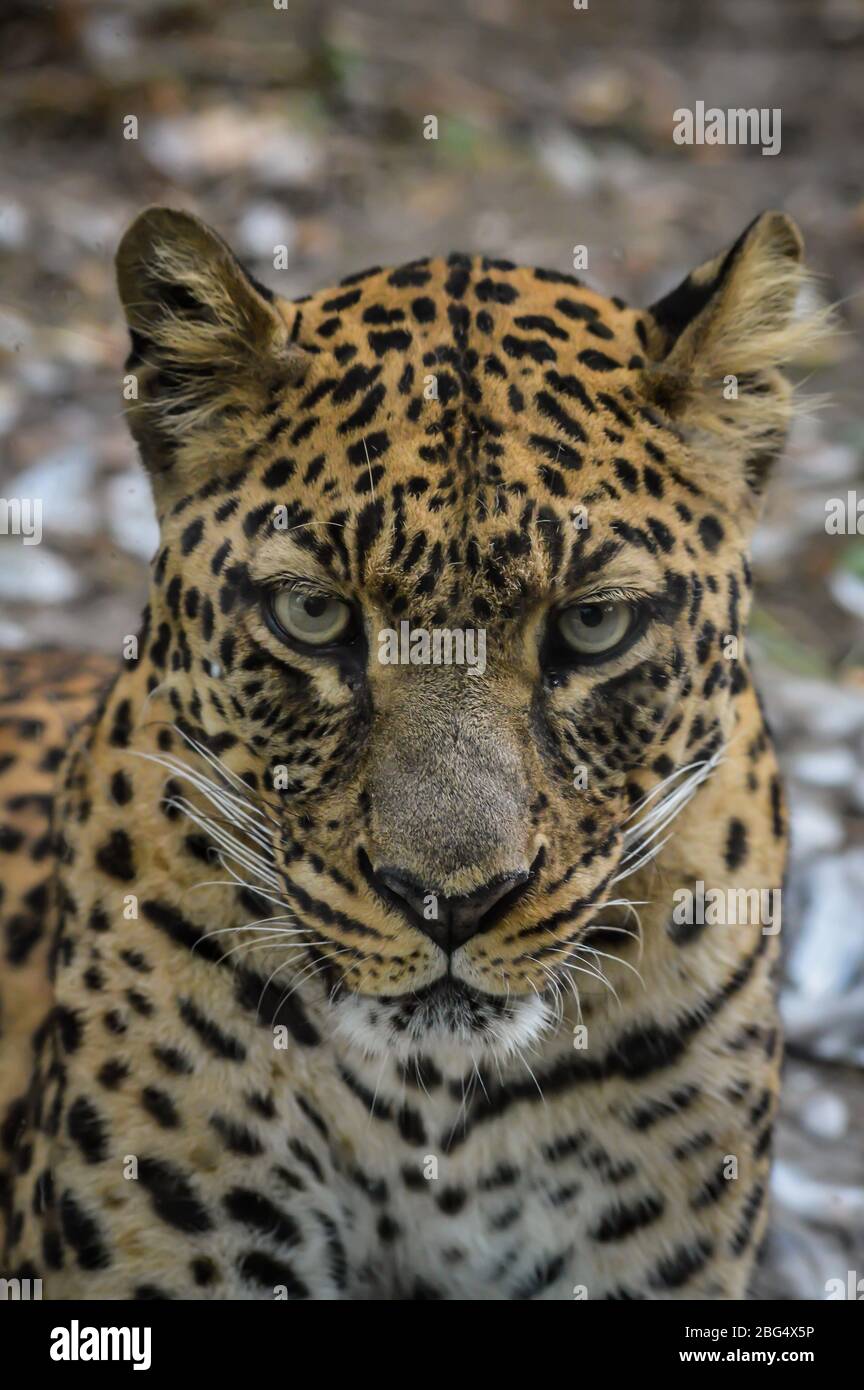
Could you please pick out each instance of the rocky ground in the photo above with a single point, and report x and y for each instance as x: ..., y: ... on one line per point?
x: 303, y: 128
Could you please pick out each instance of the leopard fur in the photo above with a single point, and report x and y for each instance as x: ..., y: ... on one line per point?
x: 235, y: 1064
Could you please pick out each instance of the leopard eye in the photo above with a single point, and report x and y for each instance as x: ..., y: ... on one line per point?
x: 309, y: 617
x: 592, y: 628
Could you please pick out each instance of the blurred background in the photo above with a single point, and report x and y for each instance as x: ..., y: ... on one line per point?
x: 302, y: 128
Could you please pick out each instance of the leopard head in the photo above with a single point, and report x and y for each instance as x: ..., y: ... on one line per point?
x: 452, y: 580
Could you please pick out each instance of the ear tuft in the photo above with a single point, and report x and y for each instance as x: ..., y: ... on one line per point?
x: 719, y: 341
x: 207, y: 338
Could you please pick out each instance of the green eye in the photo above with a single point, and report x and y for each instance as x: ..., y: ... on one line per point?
x: 310, y: 617
x: 593, y: 628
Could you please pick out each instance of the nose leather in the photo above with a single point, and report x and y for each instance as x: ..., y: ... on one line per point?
x: 457, y: 919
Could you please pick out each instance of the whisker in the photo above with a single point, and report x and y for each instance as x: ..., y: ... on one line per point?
x: 594, y: 974
x: 640, y: 839
x: 244, y: 791
x: 246, y: 858
x: 619, y: 960
x: 655, y: 791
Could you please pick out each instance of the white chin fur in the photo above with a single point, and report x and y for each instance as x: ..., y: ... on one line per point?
x: 367, y: 1026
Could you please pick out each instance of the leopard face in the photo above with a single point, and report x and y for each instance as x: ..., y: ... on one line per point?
x: 497, y: 455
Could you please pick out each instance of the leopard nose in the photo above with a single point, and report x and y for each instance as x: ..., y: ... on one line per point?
x: 450, y: 922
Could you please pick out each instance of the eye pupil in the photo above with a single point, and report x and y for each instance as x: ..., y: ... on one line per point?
x: 315, y: 605
x: 591, y: 615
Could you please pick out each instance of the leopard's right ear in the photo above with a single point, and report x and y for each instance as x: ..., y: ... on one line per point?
x: 208, y: 340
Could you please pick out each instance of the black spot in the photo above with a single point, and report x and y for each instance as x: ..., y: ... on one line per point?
x: 70, y: 1028
x: 366, y: 410
x: 121, y: 788
x: 543, y: 1276
x: 279, y: 473
x: 191, y: 536
x: 662, y: 535
x: 341, y: 301
x: 619, y: 1222
x: 112, y: 1073
x: 254, y: 520
x: 160, y: 1105
x: 387, y: 1229
x: 219, y: 1043
x: 173, y: 1060
x: 204, y: 1271
x: 504, y: 1175
x: 627, y: 474
x: 115, y: 857
x: 679, y: 1267
x: 452, y: 1200
x: 271, y: 1006
x: 423, y: 309
x: 121, y: 727
x: 548, y: 405
x: 87, y: 1129
x: 392, y: 339
x: 361, y: 454
x: 83, y: 1234
x: 414, y: 273
x: 10, y: 838
x: 711, y: 532
x: 220, y: 557
x: 598, y: 361
x: 652, y: 480
x: 305, y: 1156
x: 173, y: 1198
x: 369, y: 526
x: 535, y: 348
x: 574, y: 309
x: 736, y: 843
x: 236, y: 1137
x: 175, y: 926
x: 555, y: 277
x: 750, y: 1212
x: 682, y: 933
x: 541, y: 323
x: 495, y: 292
x: 254, y: 1210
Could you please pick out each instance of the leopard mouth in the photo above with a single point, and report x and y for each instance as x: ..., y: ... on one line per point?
x: 449, y: 1009
x: 446, y: 994
x: 447, y: 991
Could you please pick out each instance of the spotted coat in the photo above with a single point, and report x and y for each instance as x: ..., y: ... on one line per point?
x: 246, y: 1065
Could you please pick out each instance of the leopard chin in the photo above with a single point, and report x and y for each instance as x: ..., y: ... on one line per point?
x: 445, y: 1019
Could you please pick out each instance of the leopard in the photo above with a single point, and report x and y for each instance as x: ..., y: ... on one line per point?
x: 341, y: 964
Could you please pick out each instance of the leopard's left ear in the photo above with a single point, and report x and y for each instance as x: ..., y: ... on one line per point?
x: 207, y: 338
x: 718, y: 343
